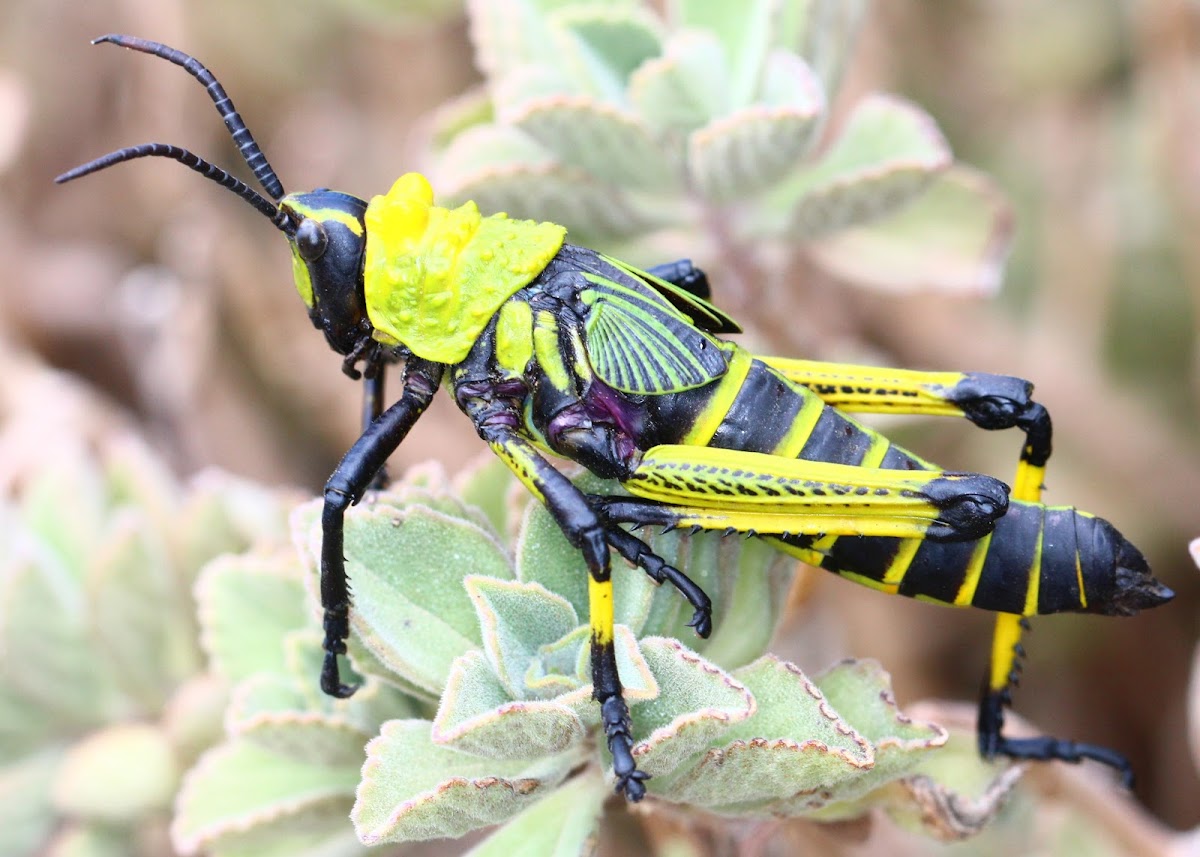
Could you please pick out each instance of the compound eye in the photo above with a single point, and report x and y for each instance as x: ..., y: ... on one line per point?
x: 311, y: 239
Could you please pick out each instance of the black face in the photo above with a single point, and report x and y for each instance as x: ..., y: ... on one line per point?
x: 329, y: 244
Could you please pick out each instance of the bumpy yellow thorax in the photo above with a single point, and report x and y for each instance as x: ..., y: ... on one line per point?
x: 433, y: 276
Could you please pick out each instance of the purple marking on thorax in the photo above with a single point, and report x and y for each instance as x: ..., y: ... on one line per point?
x: 605, y: 404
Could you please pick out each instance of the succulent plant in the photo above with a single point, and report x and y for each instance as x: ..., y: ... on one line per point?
x: 104, y: 700
x: 616, y: 122
x: 475, y: 704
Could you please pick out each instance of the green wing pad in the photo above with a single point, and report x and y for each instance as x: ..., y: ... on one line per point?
x: 638, y: 343
x: 702, y: 313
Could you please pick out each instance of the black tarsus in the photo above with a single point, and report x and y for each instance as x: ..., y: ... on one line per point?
x: 640, y: 554
x: 1044, y: 748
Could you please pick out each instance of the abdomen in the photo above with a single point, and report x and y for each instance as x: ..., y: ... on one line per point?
x: 1039, y: 559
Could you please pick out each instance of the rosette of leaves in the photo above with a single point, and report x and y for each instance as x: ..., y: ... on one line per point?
x: 475, y: 703
x: 616, y: 122
x: 103, y: 700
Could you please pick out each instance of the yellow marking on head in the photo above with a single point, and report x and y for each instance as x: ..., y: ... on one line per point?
x: 325, y: 214
x: 1004, y: 641
x: 300, y: 273
x: 514, y: 337
x: 434, y: 277
x: 600, y: 609
x: 302, y: 278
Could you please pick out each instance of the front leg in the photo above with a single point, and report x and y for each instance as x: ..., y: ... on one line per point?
x: 586, y: 531
x: 372, y: 408
x: 345, y: 487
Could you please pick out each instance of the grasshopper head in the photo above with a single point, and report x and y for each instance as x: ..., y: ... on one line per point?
x: 328, y: 239
x: 324, y: 228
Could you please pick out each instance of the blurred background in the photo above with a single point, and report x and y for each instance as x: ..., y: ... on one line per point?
x: 174, y: 300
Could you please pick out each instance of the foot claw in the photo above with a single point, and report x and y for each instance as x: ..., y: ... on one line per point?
x: 702, y: 621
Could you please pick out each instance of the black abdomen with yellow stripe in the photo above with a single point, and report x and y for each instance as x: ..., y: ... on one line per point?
x: 1038, y: 559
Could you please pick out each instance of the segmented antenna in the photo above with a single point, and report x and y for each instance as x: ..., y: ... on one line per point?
x: 248, y: 148
x: 188, y: 159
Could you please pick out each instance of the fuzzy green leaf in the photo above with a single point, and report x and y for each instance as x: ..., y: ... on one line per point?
x: 137, y: 478
x: 746, y: 579
x: 602, y: 140
x: 696, y: 703
x: 751, y: 148
x: 755, y: 579
x: 142, y: 616
x: 543, y: 555
x: 861, y: 693
x: 468, y: 110
x: 48, y: 659
x: 411, y: 610
x: 246, y: 605
x: 376, y: 700
x: 66, y: 507
x: 600, y: 45
x: 684, y: 88
x: 240, y: 785
x: 89, y: 840
x: 24, y: 724
x: 887, y: 154
x: 117, y: 774
x: 950, y: 795
x: 955, y: 237
x: 477, y: 715
x: 823, y: 32
x: 484, y: 151
x: 321, y: 832
x: 413, y: 789
x: 794, y: 744
x: 563, y: 824
x: 503, y: 169
x: 428, y: 485
x: 517, y: 620
x: 556, y: 669
x: 225, y: 514
x: 510, y: 33
x: 485, y: 484
x: 26, y: 815
x: 745, y: 31
x: 270, y: 711
x: 193, y: 718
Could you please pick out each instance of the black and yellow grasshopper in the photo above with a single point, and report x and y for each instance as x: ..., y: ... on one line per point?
x: 549, y: 347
